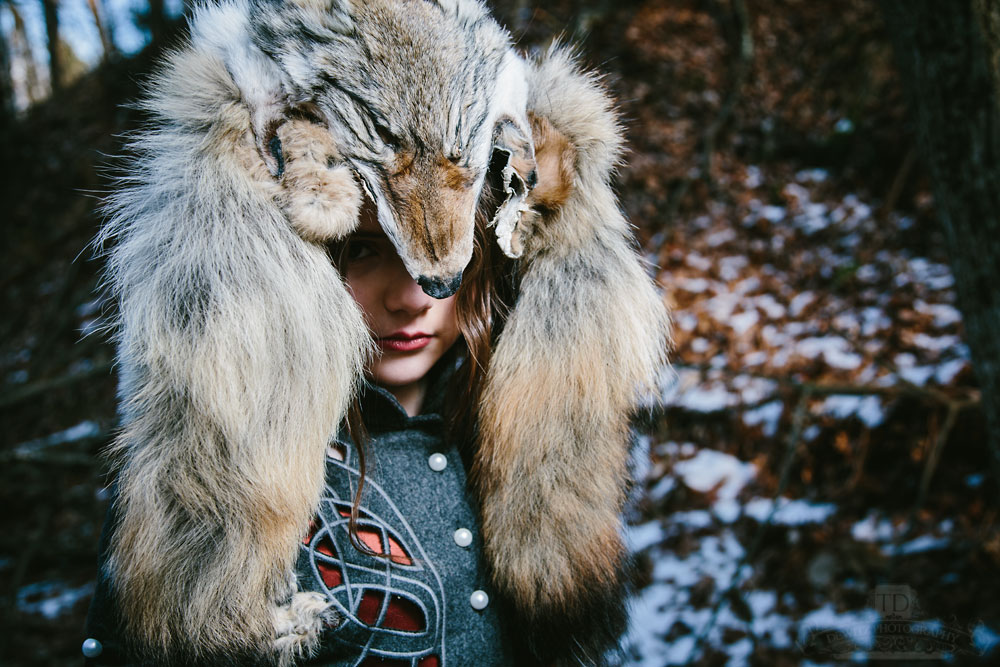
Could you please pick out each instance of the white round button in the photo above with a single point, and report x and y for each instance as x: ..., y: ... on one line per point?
x: 479, y: 600
x: 437, y: 462
x: 463, y: 537
x: 92, y: 648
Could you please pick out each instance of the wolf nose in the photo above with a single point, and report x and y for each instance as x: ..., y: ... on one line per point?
x: 440, y: 288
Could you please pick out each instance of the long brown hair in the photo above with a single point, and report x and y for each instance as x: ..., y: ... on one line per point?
x: 483, y: 302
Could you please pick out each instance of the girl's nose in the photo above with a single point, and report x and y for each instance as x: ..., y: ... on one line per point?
x: 403, y: 294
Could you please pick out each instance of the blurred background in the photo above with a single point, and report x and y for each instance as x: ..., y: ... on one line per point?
x: 815, y: 185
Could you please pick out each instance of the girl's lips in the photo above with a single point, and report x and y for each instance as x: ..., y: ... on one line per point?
x: 403, y: 342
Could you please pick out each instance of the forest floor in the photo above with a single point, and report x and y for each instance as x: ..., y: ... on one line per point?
x: 815, y: 487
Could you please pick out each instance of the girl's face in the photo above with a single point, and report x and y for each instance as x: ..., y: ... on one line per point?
x: 411, y: 330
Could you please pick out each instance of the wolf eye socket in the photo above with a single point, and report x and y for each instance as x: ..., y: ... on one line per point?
x: 387, y: 137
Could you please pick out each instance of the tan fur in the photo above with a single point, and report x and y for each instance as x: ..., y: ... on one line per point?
x: 555, y: 158
x: 239, y: 347
x: 434, y: 201
x: 588, y: 333
x: 319, y: 193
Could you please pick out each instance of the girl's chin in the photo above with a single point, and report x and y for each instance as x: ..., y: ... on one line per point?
x: 400, y: 372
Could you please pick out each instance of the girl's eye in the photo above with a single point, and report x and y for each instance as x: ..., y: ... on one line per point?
x: 358, y: 250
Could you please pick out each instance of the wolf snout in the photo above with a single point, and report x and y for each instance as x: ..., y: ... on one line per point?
x: 440, y: 288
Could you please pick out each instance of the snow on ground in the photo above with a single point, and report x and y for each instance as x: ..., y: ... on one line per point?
x: 51, y: 599
x: 745, y: 330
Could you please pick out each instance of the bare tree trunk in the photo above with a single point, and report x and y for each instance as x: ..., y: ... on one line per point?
x: 51, y: 8
x: 21, y: 48
x: 103, y: 27
x: 949, y: 55
x: 157, y: 20
x: 6, y: 83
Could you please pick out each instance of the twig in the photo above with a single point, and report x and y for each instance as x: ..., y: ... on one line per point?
x: 896, y: 189
x: 740, y: 72
x: 44, y: 386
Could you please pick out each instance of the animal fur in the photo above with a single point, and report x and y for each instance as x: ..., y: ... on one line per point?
x: 240, y: 346
x: 587, y: 333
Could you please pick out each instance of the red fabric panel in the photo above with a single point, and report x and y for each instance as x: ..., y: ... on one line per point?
x: 401, y: 614
x: 330, y: 574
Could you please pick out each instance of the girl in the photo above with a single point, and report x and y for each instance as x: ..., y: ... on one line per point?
x: 467, y: 511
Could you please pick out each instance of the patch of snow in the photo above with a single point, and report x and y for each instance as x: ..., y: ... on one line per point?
x: 717, y: 557
x: 51, y: 599
x: 814, y: 218
x: 641, y: 537
x: 693, y: 520
x: 947, y: 371
x: 773, y: 213
x: 743, y: 322
x: 796, y: 192
x: 935, y: 276
x: 859, y: 626
x: 873, y: 320
x: 747, y: 285
x: 727, y: 510
x: 753, y: 179
x: 834, y: 350
x: 767, y: 416
x: 754, y: 389
x: 873, y: 529
x: 866, y: 408
x: 660, y: 490
x: 984, y: 638
x: 770, y: 306
x: 711, y: 397
x: 699, y: 346
x: 721, y: 306
x: 936, y: 343
x: 867, y: 273
x: 919, y: 545
x: 698, y: 261
x: 811, y: 175
x: 754, y: 358
x: 767, y: 623
x: 731, y: 266
x: 85, y: 429
x: 716, y: 239
x: 799, y: 303
x: 789, y: 512
x: 944, y: 314
x: 685, y: 320
x: 710, y: 468
x: 693, y: 285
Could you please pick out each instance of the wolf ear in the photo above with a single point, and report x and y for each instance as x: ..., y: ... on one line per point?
x: 588, y: 332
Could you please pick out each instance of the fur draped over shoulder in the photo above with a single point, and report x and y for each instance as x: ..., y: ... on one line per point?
x: 240, y: 346
x: 587, y: 335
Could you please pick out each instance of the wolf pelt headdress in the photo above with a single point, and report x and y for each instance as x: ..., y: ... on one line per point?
x: 240, y: 347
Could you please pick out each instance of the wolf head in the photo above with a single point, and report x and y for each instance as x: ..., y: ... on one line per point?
x: 416, y: 96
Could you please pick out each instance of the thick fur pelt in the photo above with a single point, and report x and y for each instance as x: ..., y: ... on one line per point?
x: 587, y: 335
x: 240, y: 346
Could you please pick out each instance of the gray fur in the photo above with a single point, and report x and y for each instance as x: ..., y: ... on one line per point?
x: 240, y: 346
